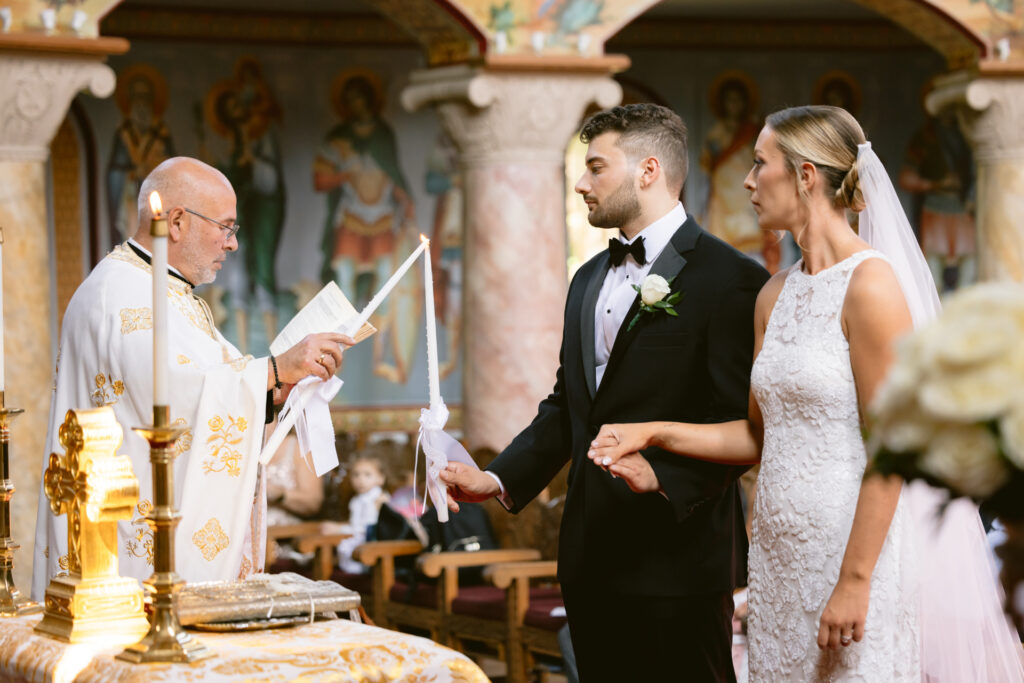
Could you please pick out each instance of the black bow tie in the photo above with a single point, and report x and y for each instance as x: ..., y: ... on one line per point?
x: 617, y: 251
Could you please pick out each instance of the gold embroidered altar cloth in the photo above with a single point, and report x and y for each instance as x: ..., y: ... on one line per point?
x: 335, y: 651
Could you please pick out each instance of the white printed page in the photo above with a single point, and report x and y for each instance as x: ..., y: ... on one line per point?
x: 328, y: 311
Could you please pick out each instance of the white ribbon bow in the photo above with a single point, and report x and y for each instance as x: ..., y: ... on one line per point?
x: 439, y: 448
x: 308, y: 408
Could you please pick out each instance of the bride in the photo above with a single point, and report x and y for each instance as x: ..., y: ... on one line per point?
x: 837, y: 567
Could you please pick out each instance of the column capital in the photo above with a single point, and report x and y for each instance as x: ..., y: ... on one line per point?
x: 35, y: 93
x: 990, y: 111
x: 509, y: 116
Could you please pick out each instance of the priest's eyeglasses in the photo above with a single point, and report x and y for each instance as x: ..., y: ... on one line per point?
x: 232, y: 229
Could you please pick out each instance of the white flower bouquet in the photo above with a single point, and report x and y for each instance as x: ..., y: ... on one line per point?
x: 951, y: 410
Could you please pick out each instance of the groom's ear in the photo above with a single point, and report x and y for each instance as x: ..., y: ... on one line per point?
x: 650, y: 171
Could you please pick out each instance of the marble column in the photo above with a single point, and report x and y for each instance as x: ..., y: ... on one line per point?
x: 35, y: 93
x: 991, y: 113
x: 512, y: 129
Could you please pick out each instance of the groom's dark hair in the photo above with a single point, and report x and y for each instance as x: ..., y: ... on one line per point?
x: 645, y: 130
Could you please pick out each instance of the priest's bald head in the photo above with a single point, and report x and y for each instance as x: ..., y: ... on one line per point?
x: 200, y: 207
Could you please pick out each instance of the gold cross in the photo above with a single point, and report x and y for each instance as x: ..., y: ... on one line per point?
x: 93, y: 486
x: 66, y: 486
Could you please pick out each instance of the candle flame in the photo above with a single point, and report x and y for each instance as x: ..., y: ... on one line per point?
x: 423, y: 238
x: 155, y: 205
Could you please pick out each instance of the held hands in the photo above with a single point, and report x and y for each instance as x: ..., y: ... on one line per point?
x: 617, y: 449
x: 842, y: 622
x: 614, y: 442
x: 637, y: 473
x: 316, y: 354
x: 467, y: 484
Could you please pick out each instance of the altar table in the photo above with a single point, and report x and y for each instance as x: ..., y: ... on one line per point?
x: 336, y: 651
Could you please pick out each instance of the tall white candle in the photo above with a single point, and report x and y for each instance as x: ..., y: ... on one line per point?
x: 158, y: 230
x: 353, y: 325
x: 1, y: 309
x: 428, y: 290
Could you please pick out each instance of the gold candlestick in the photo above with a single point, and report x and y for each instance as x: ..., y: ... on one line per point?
x: 12, y: 602
x: 166, y: 641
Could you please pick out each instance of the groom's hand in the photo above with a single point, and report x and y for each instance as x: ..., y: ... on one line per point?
x: 637, y: 473
x: 467, y: 484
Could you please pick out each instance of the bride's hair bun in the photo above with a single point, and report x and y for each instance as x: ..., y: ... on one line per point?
x: 848, y: 195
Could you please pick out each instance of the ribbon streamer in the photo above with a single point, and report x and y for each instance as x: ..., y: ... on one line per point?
x: 308, y: 409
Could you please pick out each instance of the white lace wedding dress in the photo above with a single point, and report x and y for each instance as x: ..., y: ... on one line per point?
x: 811, y: 468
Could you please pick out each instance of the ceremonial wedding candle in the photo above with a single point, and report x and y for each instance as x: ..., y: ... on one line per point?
x: 158, y: 230
x: 379, y: 297
x: 428, y: 287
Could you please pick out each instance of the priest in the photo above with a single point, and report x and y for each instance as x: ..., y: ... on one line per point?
x: 221, y: 397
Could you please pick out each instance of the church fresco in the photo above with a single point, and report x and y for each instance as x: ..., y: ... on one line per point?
x: 142, y: 140
x: 726, y: 154
x: 996, y: 20
x: 558, y: 26
x: 243, y: 111
x: 370, y: 226
x: 838, y: 88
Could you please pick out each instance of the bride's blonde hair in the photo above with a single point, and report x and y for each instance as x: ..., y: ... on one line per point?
x: 826, y: 137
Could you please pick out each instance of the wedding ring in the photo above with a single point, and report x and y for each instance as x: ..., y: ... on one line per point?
x: 321, y: 358
x: 845, y: 640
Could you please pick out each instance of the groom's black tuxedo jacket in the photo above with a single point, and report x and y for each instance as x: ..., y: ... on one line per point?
x: 691, y: 368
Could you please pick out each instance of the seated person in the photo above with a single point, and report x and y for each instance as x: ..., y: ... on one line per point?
x: 294, y: 492
x: 367, y: 478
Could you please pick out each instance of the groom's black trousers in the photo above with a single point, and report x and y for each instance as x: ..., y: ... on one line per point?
x: 622, y: 639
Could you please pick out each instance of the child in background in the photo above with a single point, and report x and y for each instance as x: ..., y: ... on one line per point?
x: 367, y: 478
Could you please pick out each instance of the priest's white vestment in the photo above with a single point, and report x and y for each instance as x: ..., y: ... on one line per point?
x: 106, y: 358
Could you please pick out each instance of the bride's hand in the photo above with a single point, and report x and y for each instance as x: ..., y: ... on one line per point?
x: 616, y: 441
x: 842, y: 622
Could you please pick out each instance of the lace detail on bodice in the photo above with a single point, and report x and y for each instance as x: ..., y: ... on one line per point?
x: 812, y: 463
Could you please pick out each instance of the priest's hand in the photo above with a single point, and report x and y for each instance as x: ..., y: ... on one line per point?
x: 316, y: 354
x: 467, y: 484
x: 637, y: 473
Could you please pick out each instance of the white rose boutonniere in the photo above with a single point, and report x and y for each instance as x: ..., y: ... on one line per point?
x: 654, y: 297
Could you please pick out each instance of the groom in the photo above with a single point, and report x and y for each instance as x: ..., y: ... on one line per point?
x: 647, y: 574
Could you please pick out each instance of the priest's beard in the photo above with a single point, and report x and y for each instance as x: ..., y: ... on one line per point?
x: 618, y: 209
x: 198, y: 263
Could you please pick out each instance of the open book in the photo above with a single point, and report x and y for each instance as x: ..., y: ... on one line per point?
x: 328, y: 311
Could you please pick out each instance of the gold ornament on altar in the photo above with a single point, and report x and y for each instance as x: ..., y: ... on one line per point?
x: 166, y: 640
x: 95, y: 488
x: 13, y: 602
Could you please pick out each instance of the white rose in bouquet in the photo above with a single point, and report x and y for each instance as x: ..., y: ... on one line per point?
x: 966, y: 458
x: 979, y: 336
x: 975, y: 393
x: 906, y: 431
x: 654, y: 289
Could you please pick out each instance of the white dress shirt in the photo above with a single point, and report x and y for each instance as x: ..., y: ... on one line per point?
x: 617, y: 295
